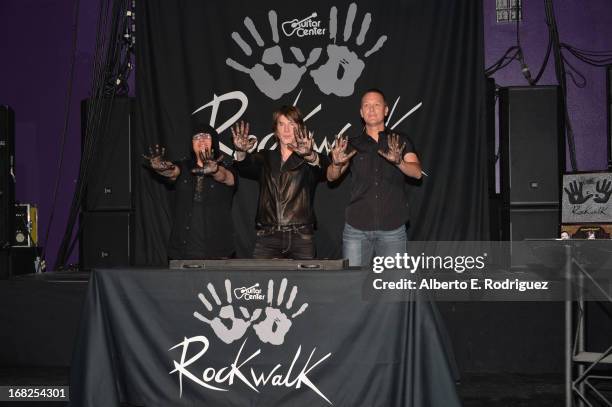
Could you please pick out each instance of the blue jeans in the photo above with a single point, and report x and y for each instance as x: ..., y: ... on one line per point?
x: 359, y: 246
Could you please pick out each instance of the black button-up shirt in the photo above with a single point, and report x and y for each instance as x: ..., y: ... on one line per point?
x: 203, y: 226
x: 379, y: 198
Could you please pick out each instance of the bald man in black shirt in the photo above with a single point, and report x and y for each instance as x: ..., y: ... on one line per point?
x: 379, y: 161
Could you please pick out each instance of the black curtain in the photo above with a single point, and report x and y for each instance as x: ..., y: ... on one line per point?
x: 237, y: 60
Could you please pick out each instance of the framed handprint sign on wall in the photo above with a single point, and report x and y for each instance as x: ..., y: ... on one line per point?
x: 586, y: 198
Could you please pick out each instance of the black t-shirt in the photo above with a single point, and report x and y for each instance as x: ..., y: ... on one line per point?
x: 378, y: 188
x: 203, y: 226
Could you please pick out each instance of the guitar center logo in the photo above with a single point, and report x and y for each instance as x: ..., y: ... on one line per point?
x: 249, y: 293
x: 303, y: 28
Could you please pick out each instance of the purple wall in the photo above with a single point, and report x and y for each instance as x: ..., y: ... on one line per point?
x: 586, y: 25
x: 36, y: 52
x: 34, y: 76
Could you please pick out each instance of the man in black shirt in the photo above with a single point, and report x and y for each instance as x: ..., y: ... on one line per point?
x: 288, y: 177
x: 203, y: 227
x: 378, y: 209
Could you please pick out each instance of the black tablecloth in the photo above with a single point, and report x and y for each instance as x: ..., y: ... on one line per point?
x: 166, y: 338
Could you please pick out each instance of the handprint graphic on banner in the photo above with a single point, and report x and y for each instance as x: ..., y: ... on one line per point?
x: 290, y: 73
x: 225, y: 315
x: 340, y: 58
x: 277, y: 323
x: 229, y: 327
x: 335, y: 76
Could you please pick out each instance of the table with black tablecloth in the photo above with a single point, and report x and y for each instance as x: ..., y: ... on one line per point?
x: 159, y: 337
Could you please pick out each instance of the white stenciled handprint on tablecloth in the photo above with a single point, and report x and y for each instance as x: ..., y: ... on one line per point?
x: 223, y: 319
x: 278, y: 320
x: 290, y: 73
x: 344, y: 66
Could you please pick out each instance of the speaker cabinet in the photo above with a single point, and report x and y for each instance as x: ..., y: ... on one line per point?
x: 7, y: 182
x: 531, y: 128
x: 106, y: 239
x: 522, y: 223
x: 533, y: 223
x: 110, y: 179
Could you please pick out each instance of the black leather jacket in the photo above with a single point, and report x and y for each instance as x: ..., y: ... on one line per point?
x: 286, y: 192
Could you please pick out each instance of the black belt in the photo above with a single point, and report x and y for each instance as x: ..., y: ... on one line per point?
x: 268, y: 229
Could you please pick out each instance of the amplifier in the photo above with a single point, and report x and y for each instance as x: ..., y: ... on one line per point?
x: 26, y: 225
x: 260, y: 264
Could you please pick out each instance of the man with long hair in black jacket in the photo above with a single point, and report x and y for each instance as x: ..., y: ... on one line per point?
x: 288, y: 177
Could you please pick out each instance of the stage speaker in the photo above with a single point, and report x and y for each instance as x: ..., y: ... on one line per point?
x: 533, y: 223
x: 531, y: 128
x: 525, y: 222
x: 106, y: 239
x: 7, y: 180
x: 109, y: 185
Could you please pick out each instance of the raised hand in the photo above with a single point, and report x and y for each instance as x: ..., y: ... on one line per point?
x: 303, y: 142
x: 209, y: 165
x: 157, y: 161
x: 240, y: 136
x: 575, y: 194
x: 394, y: 152
x: 604, y: 190
x: 223, y: 319
x: 338, y: 153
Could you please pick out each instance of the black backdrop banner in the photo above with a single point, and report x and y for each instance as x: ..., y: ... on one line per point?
x: 235, y: 60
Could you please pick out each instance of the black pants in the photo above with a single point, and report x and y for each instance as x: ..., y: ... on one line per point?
x: 296, y: 244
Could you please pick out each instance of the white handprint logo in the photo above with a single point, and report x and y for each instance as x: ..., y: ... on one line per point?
x: 226, y: 325
x: 290, y: 73
x: 276, y: 325
x: 343, y: 67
